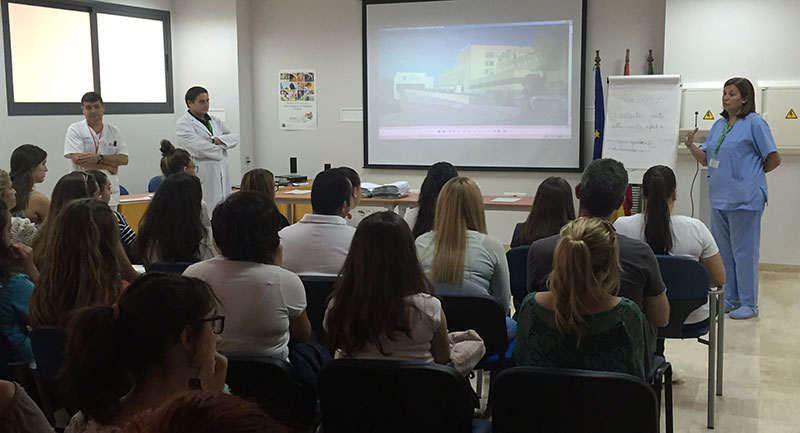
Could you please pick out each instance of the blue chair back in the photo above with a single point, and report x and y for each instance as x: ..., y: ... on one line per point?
x: 518, y: 269
x: 687, y: 285
x: 154, y: 183
x: 123, y: 190
x: 534, y: 399
x: 393, y: 396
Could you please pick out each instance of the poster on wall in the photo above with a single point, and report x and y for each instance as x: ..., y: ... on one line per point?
x: 297, y: 103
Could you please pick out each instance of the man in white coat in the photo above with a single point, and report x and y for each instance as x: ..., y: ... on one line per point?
x: 207, y: 139
x: 92, y: 144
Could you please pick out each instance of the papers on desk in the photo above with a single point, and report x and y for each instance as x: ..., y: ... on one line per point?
x: 125, y: 199
x: 505, y: 200
x: 297, y: 191
x: 390, y: 190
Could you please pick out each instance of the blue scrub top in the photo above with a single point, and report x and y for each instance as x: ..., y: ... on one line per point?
x: 739, y: 183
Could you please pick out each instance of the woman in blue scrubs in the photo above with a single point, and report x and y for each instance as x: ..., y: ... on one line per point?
x: 738, y: 151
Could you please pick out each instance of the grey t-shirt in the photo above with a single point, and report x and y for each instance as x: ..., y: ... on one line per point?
x: 641, y: 276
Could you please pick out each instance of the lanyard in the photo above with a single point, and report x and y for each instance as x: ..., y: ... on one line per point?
x: 97, y: 139
x: 725, y: 130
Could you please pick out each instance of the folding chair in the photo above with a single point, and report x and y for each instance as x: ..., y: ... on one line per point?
x: 360, y: 396
x: 688, y: 288
x: 533, y: 399
x: 485, y: 315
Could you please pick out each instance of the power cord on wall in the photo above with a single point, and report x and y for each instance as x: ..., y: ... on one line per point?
x: 691, y: 188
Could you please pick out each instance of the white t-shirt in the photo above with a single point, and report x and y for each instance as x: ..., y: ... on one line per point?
x: 81, y: 138
x: 424, y: 318
x: 257, y: 301
x: 316, y: 245
x: 485, y: 264
x: 411, y: 217
x: 690, y: 238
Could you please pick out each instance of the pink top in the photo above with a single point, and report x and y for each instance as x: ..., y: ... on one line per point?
x: 424, y: 318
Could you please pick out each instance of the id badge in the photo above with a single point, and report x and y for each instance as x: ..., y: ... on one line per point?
x: 713, y: 163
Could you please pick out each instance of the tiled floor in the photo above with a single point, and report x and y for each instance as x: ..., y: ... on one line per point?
x: 762, y: 367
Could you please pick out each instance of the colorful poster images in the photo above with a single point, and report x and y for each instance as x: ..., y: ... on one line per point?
x: 297, y: 105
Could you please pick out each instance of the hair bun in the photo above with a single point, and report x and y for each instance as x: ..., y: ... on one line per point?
x: 166, y: 147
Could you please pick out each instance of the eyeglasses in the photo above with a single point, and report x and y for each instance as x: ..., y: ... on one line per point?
x: 217, y: 323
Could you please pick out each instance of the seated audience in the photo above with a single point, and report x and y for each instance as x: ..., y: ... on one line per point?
x: 17, y: 274
x: 580, y: 322
x: 263, y: 181
x: 172, y: 229
x: 126, y: 235
x: 355, y: 198
x: 22, y: 229
x: 667, y: 233
x: 458, y: 250
x: 319, y: 242
x: 72, y: 186
x: 29, y: 167
x: 78, y: 262
x: 157, y: 341
x: 18, y: 412
x: 552, y: 209
x: 265, y: 305
x: 600, y: 192
x: 204, y: 412
x: 383, y: 307
x: 420, y: 219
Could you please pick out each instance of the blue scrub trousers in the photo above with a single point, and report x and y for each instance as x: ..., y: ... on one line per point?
x: 738, y: 236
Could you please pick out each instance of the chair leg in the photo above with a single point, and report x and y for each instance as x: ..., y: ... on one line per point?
x: 479, y: 384
x: 720, y: 340
x: 668, y: 397
x: 712, y: 352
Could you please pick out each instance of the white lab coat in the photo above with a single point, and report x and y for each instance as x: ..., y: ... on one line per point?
x: 211, y: 159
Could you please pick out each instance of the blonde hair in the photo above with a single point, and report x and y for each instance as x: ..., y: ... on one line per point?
x: 458, y: 209
x: 5, y: 180
x: 585, y: 269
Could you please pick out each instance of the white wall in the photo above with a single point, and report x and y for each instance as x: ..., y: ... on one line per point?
x: 209, y: 21
x: 713, y: 40
x: 330, y: 41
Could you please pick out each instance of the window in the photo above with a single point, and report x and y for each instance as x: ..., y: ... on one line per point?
x: 55, y: 51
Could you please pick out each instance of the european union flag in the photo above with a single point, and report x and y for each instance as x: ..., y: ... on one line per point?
x: 599, y: 114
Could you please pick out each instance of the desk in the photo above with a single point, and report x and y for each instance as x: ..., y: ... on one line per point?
x: 400, y: 204
x: 133, y: 206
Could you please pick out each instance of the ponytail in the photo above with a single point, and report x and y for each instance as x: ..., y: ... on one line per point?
x: 109, y: 349
x: 658, y: 185
x: 95, y: 377
x: 585, y: 269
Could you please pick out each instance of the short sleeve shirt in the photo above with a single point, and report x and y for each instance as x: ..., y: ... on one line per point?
x: 81, y: 138
x: 258, y: 301
x: 739, y: 182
